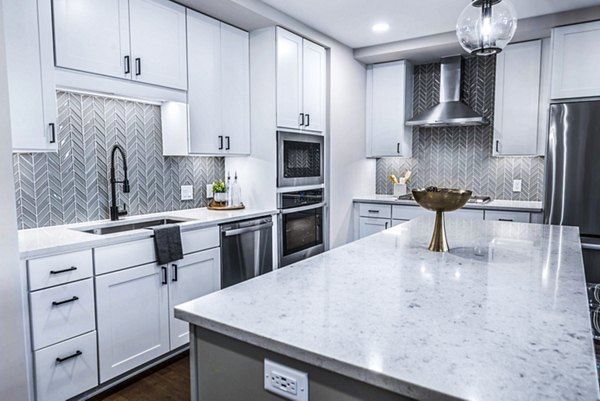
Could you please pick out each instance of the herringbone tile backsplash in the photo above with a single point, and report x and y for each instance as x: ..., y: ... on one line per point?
x: 461, y: 157
x: 73, y: 185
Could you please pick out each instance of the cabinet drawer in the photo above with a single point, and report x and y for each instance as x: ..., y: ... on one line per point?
x: 375, y: 210
x: 370, y: 226
x: 522, y: 217
x: 199, y: 240
x: 59, y: 269
x: 408, y: 212
x: 121, y: 256
x: 62, y: 312
x: 467, y: 214
x: 66, y: 369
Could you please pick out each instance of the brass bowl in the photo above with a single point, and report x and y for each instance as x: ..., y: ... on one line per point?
x: 440, y: 200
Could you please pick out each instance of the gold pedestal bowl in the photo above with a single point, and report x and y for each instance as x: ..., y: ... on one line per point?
x: 440, y: 200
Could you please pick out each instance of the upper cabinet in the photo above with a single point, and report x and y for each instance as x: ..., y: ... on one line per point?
x: 576, y: 61
x: 30, y: 68
x: 389, y: 105
x: 142, y: 40
x: 218, y: 93
x: 301, y: 83
x: 521, y: 104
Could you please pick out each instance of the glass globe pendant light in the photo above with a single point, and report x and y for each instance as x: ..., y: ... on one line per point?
x: 486, y: 26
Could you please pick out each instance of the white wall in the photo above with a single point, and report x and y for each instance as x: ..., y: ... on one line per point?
x: 13, y: 372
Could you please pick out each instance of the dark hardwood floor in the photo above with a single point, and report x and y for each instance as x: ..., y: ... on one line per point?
x: 167, y: 382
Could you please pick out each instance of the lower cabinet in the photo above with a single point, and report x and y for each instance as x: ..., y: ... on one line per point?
x: 368, y: 226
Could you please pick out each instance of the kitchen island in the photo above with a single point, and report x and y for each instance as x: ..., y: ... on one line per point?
x: 502, y: 316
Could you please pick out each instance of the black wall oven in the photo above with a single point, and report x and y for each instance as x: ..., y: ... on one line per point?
x: 299, y: 159
x: 300, y: 225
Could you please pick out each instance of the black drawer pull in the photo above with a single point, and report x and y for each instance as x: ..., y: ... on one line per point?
x: 307, y: 120
x: 220, y: 142
x: 174, y: 272
x: 398, y: 148
x: 164, y: 280
x: 301, y: 119
x: 228, y: 143
x: 127, y: 65
x: 505, y: 220
x: 66, y: 301
x: 70, y: 269
x: 138, y: 66
x: 52, y: 133
x: 66, y: 358
x: 373, y: 211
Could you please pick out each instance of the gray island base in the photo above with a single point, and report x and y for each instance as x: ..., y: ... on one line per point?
x: 502, y: 316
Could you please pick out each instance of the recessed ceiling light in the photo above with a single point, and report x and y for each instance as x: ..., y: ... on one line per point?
x: 381, y: 27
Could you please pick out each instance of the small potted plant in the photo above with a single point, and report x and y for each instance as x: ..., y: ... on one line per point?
x: 219, y: 192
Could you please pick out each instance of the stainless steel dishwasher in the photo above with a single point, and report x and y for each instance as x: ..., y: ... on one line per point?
x: 246, y: 250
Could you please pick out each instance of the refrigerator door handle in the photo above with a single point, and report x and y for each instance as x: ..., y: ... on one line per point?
x: 592, y: 247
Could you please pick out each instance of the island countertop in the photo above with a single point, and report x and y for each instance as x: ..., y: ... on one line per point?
x: 502, y: 316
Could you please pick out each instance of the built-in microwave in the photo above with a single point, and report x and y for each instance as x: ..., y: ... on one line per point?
x: 299, y: 159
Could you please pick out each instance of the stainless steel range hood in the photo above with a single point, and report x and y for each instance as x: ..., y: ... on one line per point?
x: 450, y: 112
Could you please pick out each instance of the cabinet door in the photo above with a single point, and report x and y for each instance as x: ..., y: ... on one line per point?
x: 197, y: 274
x: 314, y: 83
x: 32, y: 120
x: 235, y: 90
x: 518, y: 74
x: 92, y: 36
x: 158, y: 43
x: 133, y: 318
x: 369, y: 226
x: 204, y: 92
x: 576, y: 61
x: 289, y: 79
x: 389, y: 104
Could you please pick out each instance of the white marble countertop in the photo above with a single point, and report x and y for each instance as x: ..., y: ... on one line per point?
x: 38, y: 242
x: 502, y: 316
x: 496, y: 204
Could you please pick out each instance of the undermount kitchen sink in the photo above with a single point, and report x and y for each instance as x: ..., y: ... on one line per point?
x: 130, y: 226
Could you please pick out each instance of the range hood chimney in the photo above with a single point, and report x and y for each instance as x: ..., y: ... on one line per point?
x: 450, y: 112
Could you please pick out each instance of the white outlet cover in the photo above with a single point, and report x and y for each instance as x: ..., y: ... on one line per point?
x: 286, y: 382
x: 187, y: 192
x: 209, y: 192
x: 517, y: 185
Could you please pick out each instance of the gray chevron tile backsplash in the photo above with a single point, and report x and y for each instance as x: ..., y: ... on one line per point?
x: 73, y: 185
x: 461, y: 157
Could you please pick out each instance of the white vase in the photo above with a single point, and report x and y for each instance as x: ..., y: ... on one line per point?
x: 220, y: 196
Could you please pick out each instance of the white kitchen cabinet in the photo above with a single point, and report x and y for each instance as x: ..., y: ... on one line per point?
x: 389, y: 105
x: 301, y: 83
x: 503, y: 215
x: 195, y: 275
x: 576, y: 61
x: 93, y: 36
x: 133, y: 318
x: 219, y: 88
x: 30, y: 67
x: 517, y: 128
x: 158, y: 42
x: 376, y: 210
x: 369, y: 226
x: 142, y: 40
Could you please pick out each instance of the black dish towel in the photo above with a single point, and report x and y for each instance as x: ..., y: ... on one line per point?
x: 167, y: 243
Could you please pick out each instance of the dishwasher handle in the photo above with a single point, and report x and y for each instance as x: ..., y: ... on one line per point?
x: 240, y: 231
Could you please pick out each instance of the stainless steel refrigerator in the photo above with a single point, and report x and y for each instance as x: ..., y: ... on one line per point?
x: 573, y: 176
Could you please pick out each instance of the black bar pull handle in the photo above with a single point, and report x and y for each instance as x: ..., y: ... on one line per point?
x: 307, y: 120
x: 52, y: 132
x: 373, y: 211
x: 386, y: 224
x: 66, y: 358
x: 70, y: 269
x: 220, y: 142
x: 66, y: 301
x: 164, y: 271
x: 505, y: 220
x: 228, y: 143
x: 174, y: 272
x: 497, y: 146
x: 398, y: 148
x: 301, y: 119
x: 138, y: 66
x: 127, y: 65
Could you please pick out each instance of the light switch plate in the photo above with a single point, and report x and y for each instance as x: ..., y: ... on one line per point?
x: 286, y: 382
x: 517, y: 185
x: 187, y: 192
x: 209, y: 192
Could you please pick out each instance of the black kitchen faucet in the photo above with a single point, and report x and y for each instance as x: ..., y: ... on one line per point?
x: 114, y: 209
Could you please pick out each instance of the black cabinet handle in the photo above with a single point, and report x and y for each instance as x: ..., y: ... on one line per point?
x: 228, y: 143
x: 174, y: 272
x: 52, y: 133
x: 138, y: 66
x: 66, y: 301
x: 505, y: 220
x: 66, y: 358
x: 127, y: 65
x: 301, y: 119
x: 386, y: 225
x: 398, y: 148
x: 373, y: 211
x: 164, y: 271
x: 497, y: 145
x: 307, y: 120
x: 70, y: 269
x: 220, y: 142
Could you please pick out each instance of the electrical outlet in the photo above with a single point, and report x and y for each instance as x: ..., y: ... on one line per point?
x: 187, y: 192
x: 286, y: 382
x: 209, y: 192
x: 516, y: 185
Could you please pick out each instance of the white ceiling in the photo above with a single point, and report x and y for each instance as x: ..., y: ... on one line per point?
x: 350, y: 21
